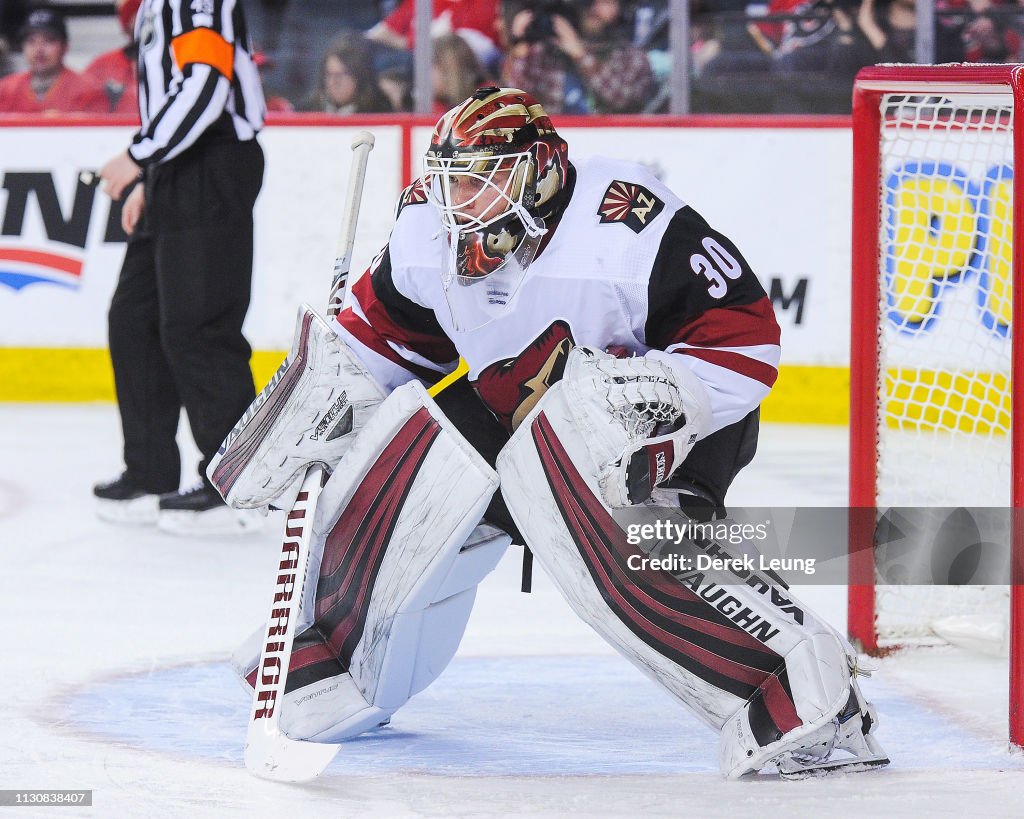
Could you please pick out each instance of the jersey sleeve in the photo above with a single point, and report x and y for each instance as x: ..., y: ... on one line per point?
x: 707, y: 311
x: 204, y: 56
x: 396, y: 338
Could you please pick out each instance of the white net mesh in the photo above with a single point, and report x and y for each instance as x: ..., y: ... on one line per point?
x: 944, y: 351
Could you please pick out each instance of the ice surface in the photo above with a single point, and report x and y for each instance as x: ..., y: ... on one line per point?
x: 117, y: 678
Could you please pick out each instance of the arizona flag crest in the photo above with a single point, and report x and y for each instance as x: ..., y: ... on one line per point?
x: 631, y: 204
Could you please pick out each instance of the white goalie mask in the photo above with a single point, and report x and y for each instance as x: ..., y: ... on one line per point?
x: 475, y: 191
x: 493, y: 160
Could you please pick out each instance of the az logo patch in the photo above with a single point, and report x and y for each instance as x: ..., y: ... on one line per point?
x: 631, y: 204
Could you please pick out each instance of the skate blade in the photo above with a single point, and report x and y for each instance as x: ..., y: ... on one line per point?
x: 213, y: 522
x: 837, y: 767
x: 137, y: 512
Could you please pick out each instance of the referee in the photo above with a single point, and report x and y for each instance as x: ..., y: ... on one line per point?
x: 190, y: 177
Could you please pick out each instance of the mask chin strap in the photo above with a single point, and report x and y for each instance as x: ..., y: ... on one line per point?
x: 534, y: 227
x: 448, y: 275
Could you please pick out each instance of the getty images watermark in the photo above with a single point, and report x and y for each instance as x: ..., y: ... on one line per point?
x: 710, y: 538
x: 921, y: 546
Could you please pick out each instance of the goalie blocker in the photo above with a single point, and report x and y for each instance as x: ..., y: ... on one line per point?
x: 308, y: 413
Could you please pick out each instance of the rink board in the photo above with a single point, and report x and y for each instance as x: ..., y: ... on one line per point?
x: 780, y: 188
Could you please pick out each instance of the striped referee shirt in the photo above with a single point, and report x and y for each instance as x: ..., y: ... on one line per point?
x: 196, y: 75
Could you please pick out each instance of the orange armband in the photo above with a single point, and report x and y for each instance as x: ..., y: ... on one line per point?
x: 203, y: 45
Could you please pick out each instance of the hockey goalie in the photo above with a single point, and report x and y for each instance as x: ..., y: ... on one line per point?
x: 618, y: 348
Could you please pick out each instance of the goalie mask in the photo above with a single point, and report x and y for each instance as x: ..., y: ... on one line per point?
x: 494, y: 172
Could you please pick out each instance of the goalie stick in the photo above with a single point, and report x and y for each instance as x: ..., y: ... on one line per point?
x: 268, y: 752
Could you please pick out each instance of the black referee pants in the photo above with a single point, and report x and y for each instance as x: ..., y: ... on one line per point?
x: 175, y: 322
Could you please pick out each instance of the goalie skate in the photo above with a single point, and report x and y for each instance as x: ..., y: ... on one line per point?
x: 845, y: 745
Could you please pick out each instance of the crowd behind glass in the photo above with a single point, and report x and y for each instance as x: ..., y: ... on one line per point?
x: 575, y: 56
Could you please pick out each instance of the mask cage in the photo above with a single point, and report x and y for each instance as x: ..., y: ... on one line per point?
x: 459, y: 187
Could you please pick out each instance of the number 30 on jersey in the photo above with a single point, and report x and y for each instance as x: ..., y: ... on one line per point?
x: 717, y: 265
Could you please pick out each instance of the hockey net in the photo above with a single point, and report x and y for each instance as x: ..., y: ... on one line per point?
x: 932, y: 360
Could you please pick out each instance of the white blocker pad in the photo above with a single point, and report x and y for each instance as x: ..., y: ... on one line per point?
x: 397, y: 552
x: 317, y: 401
x: 741, y: 652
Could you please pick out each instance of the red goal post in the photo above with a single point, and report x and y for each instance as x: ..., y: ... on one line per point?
x: 881, y: 93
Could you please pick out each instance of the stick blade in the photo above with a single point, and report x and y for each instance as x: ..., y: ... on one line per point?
x: 269, y: 754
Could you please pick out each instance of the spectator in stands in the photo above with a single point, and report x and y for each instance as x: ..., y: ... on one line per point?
x: 890, y: 27
x: 725, y: 46
x: 396, y: 83
x: 731, y: 73
x: 457, y: 72
x: 617, y: 73
x: 805, y: 61
x: 584, y: 65
x: 829, y: 42
x: 348, y: 80
x: 804, y: 43
x: 473, y: 20
x: 48, y: 86
x: 534, y: 60
x: 116, y: 70
x: 293, y: 34
x: 989, y: 36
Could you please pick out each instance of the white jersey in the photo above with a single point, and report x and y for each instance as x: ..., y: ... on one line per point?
x: 627, y: 267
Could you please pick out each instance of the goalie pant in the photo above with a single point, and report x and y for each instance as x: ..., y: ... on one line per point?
x: 398, y: 553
